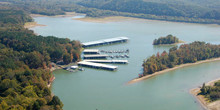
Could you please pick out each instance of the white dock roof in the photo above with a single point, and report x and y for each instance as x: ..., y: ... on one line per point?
x: 91, y: 50
x: 97, y: 55
x: 107, y: 61
x: 97, y: 65
x: 105, y: 41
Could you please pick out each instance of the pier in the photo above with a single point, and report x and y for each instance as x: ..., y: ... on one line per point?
x: 97, y: 65
x: 109, y: 61
x: 105, y: 42
x: 97, y: 56
x: 91, y: 51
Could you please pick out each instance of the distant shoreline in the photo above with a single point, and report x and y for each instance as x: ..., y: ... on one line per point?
x: 29, y: 25
x: 67, y: 14
x: 203, y: 101
x: 171, y: 69
x: 123, y: 18
x: 105, y: 19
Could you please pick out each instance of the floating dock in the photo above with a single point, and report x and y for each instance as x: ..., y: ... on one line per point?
x: 91, y: 51
x: 97, y: 65
x: 109, y: 61
x: 105, y: 42
x: 97, y: 56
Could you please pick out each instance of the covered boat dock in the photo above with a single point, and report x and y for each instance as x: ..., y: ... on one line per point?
x: 105, y: 42
x: 97, y: 65
x: 109, y: 61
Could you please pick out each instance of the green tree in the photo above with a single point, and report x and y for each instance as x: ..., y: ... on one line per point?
x: 67, y: 58
x: 203, y: 89
x: 56, y: 101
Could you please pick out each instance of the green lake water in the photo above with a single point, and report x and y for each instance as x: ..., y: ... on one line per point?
x: 105, y: 90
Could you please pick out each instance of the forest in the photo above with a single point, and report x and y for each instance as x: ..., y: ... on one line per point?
x: 169, y: 39
x: 180, y: 10
x: 211, y: 92
x: 204, y: 11
x: 25, y: 63
x: 186, y: 53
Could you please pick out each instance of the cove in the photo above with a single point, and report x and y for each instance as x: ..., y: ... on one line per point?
x: 105, y: 90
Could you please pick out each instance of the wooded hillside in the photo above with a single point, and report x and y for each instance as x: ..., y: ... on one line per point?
x: 25, y: 63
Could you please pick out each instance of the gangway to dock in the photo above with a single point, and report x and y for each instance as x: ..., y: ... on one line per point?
x: 105, y: 42
x: 109, y: 61
x: 97, y: 65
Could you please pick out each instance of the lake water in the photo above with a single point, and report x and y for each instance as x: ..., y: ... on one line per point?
x: 105, y: 90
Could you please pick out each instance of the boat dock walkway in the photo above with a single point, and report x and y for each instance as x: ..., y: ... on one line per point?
x: 105, y: 42
x: 91, y: 51
x: 96, y: 56
x: 97, y: 65
x: 109, y: 61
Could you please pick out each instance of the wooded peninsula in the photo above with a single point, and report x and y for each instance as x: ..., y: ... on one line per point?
x: 25, y: 63
x: 208, y: 95
x: 186, y: 53
x: 211, y: 92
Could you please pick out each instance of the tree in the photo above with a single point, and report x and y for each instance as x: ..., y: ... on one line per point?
x: 173, y: 58
x: 56, y: 55
x: 7, y: 83
x: 34, y: 59
x: 203, y: 89
x: 56, y: 101
x: 4, y: 106
x: 67, y: 58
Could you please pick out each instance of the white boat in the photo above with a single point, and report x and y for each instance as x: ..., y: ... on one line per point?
x: 74, y: 67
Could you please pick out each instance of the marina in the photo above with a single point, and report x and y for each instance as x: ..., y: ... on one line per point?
x: 106, y: 90
x: 97, y: 65
x: 109, y: 61
x: 105, y: 42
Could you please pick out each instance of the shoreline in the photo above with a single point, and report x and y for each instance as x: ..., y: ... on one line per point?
x: 67, y: 14
x: 124, y: 18
x: 171, y: 69
x: 204, y: 101
x: 105, y: 19
x: 29, y: 25
x: 180, y: 42
x: 51, y: 81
